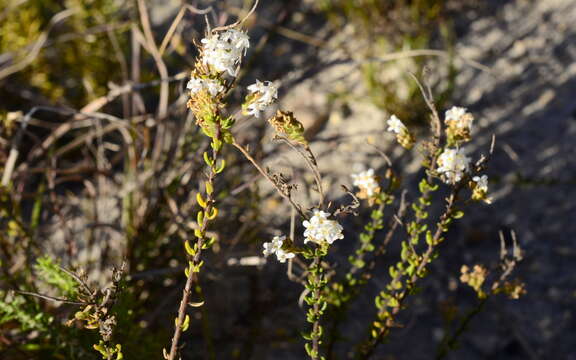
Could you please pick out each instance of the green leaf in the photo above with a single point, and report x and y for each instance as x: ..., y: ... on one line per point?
x: 208, y: 160
x: 429, y: 239
x: 220, y: 167
x: 189, y: 249
x: 457, y: 214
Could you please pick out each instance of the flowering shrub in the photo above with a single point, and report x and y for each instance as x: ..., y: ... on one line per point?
x: 445, y: 160
x: 397, y: 213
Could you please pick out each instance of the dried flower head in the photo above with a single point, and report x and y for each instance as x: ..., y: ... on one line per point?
x: 474, y: 278
x: 284, y: 122
x: 514, y: 289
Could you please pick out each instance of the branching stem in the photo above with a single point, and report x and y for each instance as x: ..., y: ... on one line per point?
x: 269, y: 178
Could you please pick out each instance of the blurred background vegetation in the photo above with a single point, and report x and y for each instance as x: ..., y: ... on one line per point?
x: 395, y: 26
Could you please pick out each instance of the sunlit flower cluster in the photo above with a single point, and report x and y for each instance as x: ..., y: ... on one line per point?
x: 322, y: 230
x: 366, y: 182
x: 460, y: 117
x: 212, y: 86
x: 458, y: 125
x: 262, y: 94
x: 224, y: 50
x: 452, y: 164
x: 275, y: 247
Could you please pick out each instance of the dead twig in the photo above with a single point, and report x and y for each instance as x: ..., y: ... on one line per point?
x: 269, y: 178
x: 239, y: 22
x: 310, y: 160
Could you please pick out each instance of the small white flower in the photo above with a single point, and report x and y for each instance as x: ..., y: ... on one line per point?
x: 238, y: 39
x: 269, y: 249
x: 195, y: 85
x: 460, y: 116
x: 395, y: 125
x: 452, y: 164
x: 481, y: 182
x: 455, y: 113
x: 366, y: 180
x: 320, y: 229
x: 211, y: 85
x: 275, y: 247
x: 223, y: 50
x: 265, y: 94
x: 282, y: 255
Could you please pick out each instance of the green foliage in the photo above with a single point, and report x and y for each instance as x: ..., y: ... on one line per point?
x: 14, y: 307
x: 109, y: 352
x: 51, y: 274
x: 396, y: 26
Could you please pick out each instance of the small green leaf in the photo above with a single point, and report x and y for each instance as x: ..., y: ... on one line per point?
x: 189, y: 249
x: 208, y: 160
x: 201, y: 200
x: 221, y: 167
x: 457, y: 214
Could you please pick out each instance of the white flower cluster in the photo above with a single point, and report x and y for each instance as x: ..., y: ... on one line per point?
x: 275, y: 247
x: 366, y: 181
x: 265, y: 94
x: 224, y: 50
x: 213, y: 87
x: 460, y: 117
x: 396, y: 125
x: 452, y: 164
x: 481, y: 183
x: 321, y: 230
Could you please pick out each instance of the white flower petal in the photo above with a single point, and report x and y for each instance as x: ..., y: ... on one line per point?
x: 395, y: 125
x: 320, y: 229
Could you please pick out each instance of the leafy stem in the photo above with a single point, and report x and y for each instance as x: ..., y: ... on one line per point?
x: 316, y: 300
x: 412, y: 267
x: 194, y: 253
